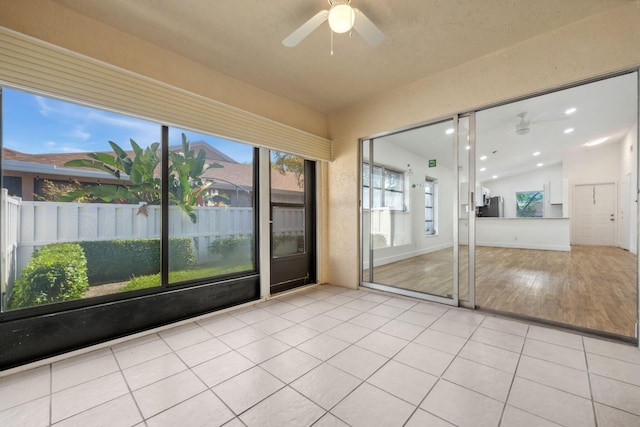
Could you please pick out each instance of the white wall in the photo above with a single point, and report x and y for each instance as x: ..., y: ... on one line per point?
x: 536, y: 180
x: 588, y: 48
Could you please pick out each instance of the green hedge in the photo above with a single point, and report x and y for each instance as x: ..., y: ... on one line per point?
x: 118, y: 260
x: 56, y: 272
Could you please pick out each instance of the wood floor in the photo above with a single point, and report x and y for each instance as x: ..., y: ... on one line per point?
x: 590, y: 287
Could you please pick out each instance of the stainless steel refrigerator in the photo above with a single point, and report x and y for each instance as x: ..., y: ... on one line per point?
x: 494, y: 207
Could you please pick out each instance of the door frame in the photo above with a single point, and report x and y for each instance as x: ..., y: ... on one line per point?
x: 454, y: 300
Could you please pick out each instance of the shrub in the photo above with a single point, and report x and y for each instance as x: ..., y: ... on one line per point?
x: 119, y: 260
x: 56, y: 272
x: 230, y: 246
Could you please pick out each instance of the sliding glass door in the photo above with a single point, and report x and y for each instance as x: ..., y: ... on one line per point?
x: 410, y: 210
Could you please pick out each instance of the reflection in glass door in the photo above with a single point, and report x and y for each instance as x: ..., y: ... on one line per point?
x: 409, y: 212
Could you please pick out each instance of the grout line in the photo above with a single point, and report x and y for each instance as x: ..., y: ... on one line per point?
x: 51, y: 394
x: 513, y: 379
x: 593, y: 403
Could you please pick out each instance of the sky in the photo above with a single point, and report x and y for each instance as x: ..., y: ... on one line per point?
x: 35, y: 124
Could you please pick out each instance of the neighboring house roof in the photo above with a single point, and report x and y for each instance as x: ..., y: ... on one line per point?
x: 231, y: 174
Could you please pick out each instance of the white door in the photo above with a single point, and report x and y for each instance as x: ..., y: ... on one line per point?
x: 594, y: 214
x: 624, y: 216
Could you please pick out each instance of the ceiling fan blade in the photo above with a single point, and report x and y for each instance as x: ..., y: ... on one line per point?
x: 305, y: 29
x: 367, y: 29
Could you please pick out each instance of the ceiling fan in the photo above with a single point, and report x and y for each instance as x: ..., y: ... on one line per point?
x: 342, y: 18
x: 523, y: 127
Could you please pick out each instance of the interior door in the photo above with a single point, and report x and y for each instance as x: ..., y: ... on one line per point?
x: 293, y: 224
x: 409, y: 212
x: 595, y: 214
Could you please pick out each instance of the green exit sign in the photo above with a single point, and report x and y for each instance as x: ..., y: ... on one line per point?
x: 432, y: 163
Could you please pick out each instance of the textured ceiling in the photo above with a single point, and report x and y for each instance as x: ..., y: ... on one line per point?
x: 242, y: 38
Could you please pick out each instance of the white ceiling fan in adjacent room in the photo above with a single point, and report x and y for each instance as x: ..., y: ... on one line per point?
x: 524, y: 124
x: 342, y: 18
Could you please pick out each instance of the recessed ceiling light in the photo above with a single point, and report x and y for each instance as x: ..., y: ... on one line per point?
x: 596, y: 141
x: 537, y: 153
x: 449, y: 131
x: 540, y: 164
x: 483, y: 169
x: 494, y: 176
x: 483, y: 158
x: 568, y: 130
x: 468, y: 147
x: 570, y: 111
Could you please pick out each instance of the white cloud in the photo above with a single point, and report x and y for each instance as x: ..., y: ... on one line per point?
x: 80, y: 133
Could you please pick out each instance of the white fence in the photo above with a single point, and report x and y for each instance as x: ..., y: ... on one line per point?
x: 27, y: 226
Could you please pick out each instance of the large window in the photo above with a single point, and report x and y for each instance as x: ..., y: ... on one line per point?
x: 530, y: 204
x: 84, y: 202
x: 388, y: 188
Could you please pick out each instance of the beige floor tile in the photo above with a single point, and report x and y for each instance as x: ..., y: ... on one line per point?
x: 551, y: 404
x: 185, y: 336
x: 614, y: 368
x: 326, y: 385
x: 383, y: 344
x: 426, y: 359
x: 323, y: 346
x: 417, y: 318
x: 146, y: 373
x: 272, y: 325
x: 120, y: 412
x: 626, y: 352
x: 321, y: 323
x: 295, y: 335
x: 489, y: 355
x: 34, y: 414
x: 290, y: 365
x: 554, y: 336
x: 422, y: 418
x: 348, y: 332
x: 221, y: 324
x: 263, y: 349
x: 368, y: 406
x: 555, y: 353
x: 248, y: 388
x: 241, y: 337
x: 440, y: 341
x: 222, y: 368
x: 369, y: 321
x: 503, y: 340
x: 612, y: 417
x: 128, y: 356
x: 404, y: 330
x: 168, y: 392
x: 480, y: 378
x: 204, y: 409
x: 74, y: 400
x: 574, y: 381
x: 403, y: 381
x: 446, y: 399
x: 330, y: 420
x: 286, y: 407
x: 514, y: 417
x: 616, y: 394
x: 202, y: 352
x: 65, y: 374
x: 451, y: 327
x: 505, y: 325
x: 357, y: 361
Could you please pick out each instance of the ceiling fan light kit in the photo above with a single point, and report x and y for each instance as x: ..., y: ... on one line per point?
x: 342, y: 19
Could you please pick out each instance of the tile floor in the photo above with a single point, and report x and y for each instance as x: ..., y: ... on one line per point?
x: 334, y: 357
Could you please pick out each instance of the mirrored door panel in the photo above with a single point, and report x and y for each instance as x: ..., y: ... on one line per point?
x: 409, y: 211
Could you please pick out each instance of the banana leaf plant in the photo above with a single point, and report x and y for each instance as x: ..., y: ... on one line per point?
x: 186, y: 186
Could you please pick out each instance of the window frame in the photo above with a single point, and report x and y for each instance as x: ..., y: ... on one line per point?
x: 382, y: 188
x: 541, y: 202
